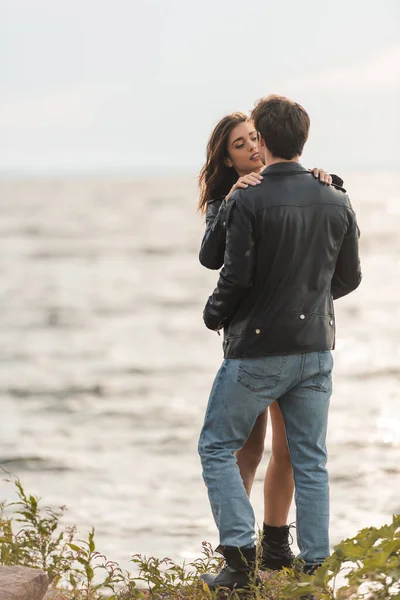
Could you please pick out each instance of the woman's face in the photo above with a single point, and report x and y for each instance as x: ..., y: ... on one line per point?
x: 243, y: 149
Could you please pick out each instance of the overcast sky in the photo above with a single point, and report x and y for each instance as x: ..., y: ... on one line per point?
x: 138, y: 84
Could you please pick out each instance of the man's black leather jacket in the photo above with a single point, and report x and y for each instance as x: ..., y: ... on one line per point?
x: 289, y: 247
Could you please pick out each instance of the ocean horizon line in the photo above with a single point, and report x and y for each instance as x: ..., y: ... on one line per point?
x: 160, y: 172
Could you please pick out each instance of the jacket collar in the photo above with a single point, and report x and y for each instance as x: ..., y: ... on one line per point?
x: 284, y: 167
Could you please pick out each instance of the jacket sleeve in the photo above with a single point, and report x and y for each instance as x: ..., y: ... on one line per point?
x: 236, y: 277
x: 347, y: 276
x: 213, y: 244
x: 337, y: 181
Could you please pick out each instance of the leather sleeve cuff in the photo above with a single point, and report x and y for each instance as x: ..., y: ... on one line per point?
x: 211, y: 321
x: 336, y: 180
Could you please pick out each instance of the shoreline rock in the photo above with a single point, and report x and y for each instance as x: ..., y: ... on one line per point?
x: 23, y: 583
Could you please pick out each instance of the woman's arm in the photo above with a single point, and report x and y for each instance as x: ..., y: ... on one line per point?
x: 213, y: 245
x: 331, y: 179
x: 212, y: 249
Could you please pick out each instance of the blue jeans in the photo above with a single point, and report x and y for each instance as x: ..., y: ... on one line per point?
x: 242, y: 390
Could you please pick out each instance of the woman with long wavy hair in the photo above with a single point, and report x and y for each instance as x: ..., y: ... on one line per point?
x: 233, y: 162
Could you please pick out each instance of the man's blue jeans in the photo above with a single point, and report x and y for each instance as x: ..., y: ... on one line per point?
x: 242, y: 390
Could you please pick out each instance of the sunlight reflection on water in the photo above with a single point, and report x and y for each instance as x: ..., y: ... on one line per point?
x: 390, y: 429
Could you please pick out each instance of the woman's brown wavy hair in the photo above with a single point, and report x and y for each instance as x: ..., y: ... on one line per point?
x: 216, y: 178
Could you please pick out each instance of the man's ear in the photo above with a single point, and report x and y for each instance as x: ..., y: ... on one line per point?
x: 261, y: 141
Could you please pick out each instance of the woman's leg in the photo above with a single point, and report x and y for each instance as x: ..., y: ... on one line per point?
x: 250, y: 455
x: 279, y: 482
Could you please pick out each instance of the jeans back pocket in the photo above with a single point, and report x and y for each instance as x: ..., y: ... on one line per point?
x: 261, y: 373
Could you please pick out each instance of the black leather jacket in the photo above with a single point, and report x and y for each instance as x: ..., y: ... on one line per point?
x: 289, y: 247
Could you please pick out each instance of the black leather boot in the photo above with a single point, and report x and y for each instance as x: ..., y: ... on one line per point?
x: 276, y: 552
x: 239, y: 571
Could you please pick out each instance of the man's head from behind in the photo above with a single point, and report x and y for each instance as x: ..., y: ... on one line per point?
x: 283, y: 127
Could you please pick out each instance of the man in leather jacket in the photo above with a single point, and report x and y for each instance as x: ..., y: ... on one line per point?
x: 291, y: 249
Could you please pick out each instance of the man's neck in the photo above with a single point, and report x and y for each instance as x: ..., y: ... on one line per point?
x: 273, y: 160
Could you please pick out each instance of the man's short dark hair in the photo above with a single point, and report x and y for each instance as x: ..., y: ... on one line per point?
x: 283, y: 124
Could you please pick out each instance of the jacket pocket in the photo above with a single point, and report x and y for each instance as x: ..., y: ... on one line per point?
x: 261, y: 373
x: 323, y: 381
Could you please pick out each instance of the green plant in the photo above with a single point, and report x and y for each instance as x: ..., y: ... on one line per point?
x: 70, y: 563
x: 32, y: 536
x: 35, y: 544
x: 370, y: 562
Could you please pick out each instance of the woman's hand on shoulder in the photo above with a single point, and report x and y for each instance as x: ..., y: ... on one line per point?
x: 244, y: 182
x: 321, y: 175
